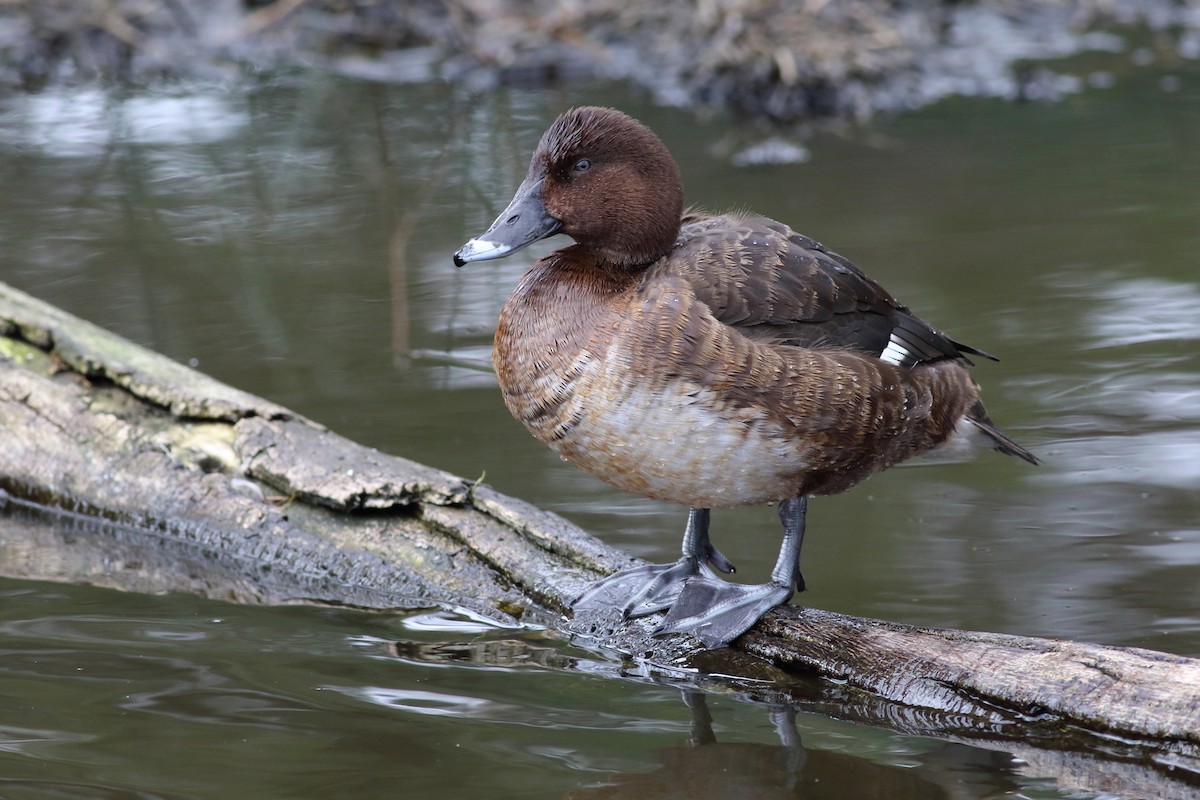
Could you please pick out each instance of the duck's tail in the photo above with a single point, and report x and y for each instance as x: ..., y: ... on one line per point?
x: 979, y: 417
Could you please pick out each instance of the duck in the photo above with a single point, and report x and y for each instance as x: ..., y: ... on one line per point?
x: 707, y: 360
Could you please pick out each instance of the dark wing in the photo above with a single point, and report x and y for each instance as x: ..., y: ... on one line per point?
x: 776, y: 285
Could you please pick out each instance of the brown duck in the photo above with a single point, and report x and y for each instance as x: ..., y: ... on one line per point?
x: 706, y: 360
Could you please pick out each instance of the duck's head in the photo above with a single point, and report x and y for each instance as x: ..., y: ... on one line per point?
x: 602, y: 178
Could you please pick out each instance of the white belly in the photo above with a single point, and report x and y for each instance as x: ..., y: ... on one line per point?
x: 679, y: 443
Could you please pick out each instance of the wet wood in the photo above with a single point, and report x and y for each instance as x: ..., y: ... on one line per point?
x: 165, y: 479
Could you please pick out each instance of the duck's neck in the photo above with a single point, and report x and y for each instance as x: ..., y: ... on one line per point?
x: 635, y: 251
x: 559, y: 298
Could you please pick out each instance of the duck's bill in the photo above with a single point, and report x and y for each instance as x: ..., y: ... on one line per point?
x: 524, y: 222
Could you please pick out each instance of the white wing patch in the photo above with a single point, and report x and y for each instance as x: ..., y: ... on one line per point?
x: 897, y: 352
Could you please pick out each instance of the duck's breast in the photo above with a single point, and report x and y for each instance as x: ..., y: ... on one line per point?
x: 635, y: 389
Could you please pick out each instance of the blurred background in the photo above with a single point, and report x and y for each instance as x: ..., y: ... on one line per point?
x: 271, y: 192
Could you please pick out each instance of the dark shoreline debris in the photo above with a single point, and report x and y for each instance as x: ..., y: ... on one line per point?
x: 782, y: 60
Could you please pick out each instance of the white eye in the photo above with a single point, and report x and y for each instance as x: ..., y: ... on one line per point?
x: 582, y: 165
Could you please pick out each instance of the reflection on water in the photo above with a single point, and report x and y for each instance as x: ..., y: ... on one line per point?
x: 87, y: 122
x: 286, y: 702
x: 1147, y: 459
x: 293, y: 238
x: 308, y: 702
x: 1137, y: 310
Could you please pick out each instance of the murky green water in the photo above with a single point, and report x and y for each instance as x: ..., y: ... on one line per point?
x: 293, y: 238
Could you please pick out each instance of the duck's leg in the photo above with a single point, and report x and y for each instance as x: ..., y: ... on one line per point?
x: 638, y: 591
x: 716, y: 612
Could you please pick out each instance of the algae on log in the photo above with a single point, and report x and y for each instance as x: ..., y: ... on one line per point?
x: 205, y: 488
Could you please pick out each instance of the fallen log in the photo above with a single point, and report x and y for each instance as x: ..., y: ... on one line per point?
x: 166, y: 478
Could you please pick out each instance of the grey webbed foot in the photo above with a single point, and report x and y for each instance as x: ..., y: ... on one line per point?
x: 716, y: 612
x: 638, y: 591
x: 699, y: 602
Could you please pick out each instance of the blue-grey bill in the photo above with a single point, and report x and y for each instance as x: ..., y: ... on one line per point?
x: 480, y: 250
x: 524, y: 222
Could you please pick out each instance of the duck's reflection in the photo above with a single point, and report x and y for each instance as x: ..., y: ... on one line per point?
x: 707, y: 768
x: 704, y: 767
x: 951, y: 758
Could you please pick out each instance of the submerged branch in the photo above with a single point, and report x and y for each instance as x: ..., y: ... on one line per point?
x: 172, y: 480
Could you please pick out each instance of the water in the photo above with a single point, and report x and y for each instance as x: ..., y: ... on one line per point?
x: 292, y: 237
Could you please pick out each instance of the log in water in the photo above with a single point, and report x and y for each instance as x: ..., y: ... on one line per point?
x: 164, y: 478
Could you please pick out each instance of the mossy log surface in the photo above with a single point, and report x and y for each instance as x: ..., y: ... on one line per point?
x: 162, y: 478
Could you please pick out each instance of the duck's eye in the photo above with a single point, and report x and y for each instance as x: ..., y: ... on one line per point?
x: 582, y: 165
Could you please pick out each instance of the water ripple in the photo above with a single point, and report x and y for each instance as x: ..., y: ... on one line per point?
x: 1138, y: 310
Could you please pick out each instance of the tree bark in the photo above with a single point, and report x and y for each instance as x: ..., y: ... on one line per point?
x: 160, y: 478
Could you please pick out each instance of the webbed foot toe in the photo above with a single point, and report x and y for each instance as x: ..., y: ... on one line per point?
x: 639, y: 591
x: 716, y: 612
